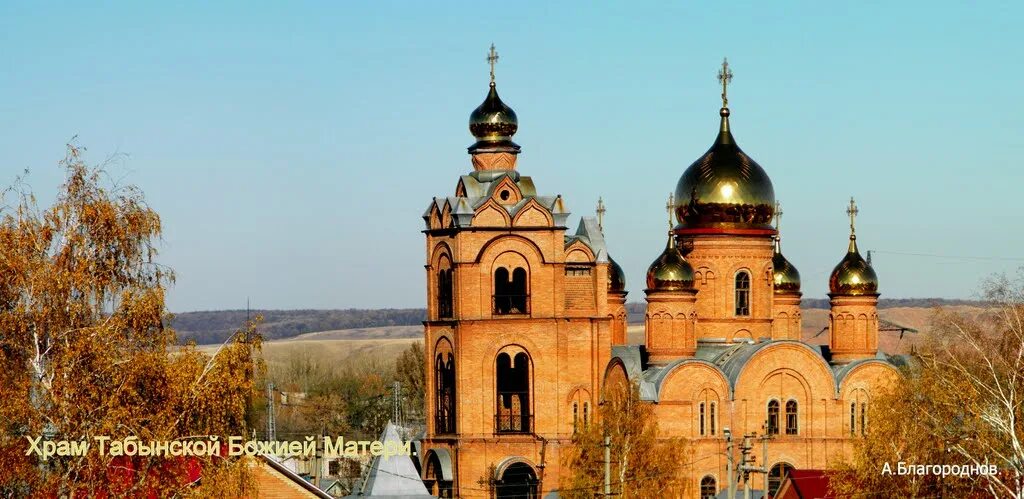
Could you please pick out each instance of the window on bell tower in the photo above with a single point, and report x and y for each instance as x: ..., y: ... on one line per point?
x: 445, y: 294
x: 513, y: 393
x: 444, y: 386
x: 743, y: 293
x: 510, y: 292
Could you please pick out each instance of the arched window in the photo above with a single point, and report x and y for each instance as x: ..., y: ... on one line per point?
x: 444, y: 382
x: 863, y: 418
x: 708, y: 487
x: 510, y: 294
x: 776, y: 475
x: 586, y: 414
x: 791, y: 418
x: 445, y: 294
x: 700, y: 418
x: 773, y: 417
x: 513, y: 394
x: 853, y: 418
x: 575, y: 417
x: 743, y: 293
x: 712, y: 414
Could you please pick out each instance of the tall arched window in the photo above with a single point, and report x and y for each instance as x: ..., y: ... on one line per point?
x: 712, y: 419
x: 708, y: 487
x: 863, y: 418
x: 743, y: 293
x: 586, y: 414
x: 575, y: 417
x: 776, y: 475
x: 791, y: 418
x: 513, y: 394
x: 445, y: 294
x: 773, y: 417
x: 444, y: 382
x: 510, y: 292
x: 700, y: 418
x: 853, y: 418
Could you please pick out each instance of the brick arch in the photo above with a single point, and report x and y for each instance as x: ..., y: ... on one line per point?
x: 813, y: 367
x: 531, y: 213
x: 491, y: 214
x: 615, y: 373
x: 860, y: 376
x: 440, y: 249
x: 510, y: 242
x: 683, y: 375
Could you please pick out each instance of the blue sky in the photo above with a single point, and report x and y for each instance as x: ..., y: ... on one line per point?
x: 292, y: 147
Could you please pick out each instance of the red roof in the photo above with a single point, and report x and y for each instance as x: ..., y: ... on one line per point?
x: 805, y: 484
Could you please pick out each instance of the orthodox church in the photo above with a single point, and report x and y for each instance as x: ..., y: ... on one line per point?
x: 527, y: 325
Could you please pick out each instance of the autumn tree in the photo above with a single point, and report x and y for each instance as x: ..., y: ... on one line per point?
x: 960, y: 404
x: 642, y: 463
x: 86, y: 351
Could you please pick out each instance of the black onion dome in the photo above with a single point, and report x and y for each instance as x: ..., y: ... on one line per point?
x: 616, y: 276
x: 493, y: 124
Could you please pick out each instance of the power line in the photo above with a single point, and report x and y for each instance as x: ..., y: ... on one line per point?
x: 952, y: 257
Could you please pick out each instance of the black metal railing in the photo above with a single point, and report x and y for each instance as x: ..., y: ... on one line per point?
x: 511, y: 304
x: 513, y: 423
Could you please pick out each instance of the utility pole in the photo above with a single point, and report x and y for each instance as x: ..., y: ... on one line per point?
x: 607, y: 465
x: 748, y: 464
x: 271, y: 424
x: 396, y: 403
x: 730, y: 467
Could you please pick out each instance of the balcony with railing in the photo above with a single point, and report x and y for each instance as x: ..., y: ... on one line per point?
x: 513, y: 413
x: 511, y: 304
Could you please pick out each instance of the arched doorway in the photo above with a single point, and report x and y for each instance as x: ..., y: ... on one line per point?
x: 776, y: 475
x: 438, y: 473
x: 518, y: 481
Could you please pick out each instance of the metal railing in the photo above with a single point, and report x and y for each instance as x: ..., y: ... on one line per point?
x: 511, y: 304
x: 513, y: 423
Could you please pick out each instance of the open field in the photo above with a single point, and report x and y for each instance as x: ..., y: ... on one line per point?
x: 383, y: 344
x: 362, y: 345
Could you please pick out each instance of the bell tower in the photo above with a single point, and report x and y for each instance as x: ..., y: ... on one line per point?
x: 519, y: 325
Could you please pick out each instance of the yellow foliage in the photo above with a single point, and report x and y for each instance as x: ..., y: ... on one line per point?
x: 85, y: 349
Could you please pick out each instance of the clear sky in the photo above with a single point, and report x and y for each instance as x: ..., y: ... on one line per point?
x: 291, y: 148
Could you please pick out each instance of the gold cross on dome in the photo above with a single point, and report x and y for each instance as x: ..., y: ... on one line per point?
x: 492, y: 58
x: 670, y: 207
x: 852, y: 211
x: 778, y: 215
x: 725, y: 77
x: 600, y: 213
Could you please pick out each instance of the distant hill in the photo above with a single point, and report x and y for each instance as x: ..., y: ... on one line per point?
x: 216, y: 325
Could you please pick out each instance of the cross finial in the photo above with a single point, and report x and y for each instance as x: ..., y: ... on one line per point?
x: 670, y: 207
x: 852, y: 212
x: 778, y: 215
x: 492, y: 58
x: 725, y: 77
x: 600, y: 213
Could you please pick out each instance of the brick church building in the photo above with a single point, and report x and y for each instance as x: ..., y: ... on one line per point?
x: 527, y: 324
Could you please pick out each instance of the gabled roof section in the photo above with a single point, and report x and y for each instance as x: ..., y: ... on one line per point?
x: 589, y: 233
x: 476, y: 189
x: 393, y: 476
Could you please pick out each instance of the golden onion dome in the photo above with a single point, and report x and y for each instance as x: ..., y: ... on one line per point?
x: 616, y: 276
x: 725, y: 188
x: 853, y: 276
x: 493, y: 124
x: 785, y: 275
x: 670, y: 271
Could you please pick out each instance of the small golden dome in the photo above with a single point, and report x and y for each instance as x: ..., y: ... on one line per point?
x: 725, y: 188
x: 670, y: 271
x: 853, y: 276
x: 493, y: 124
x: 785, y: 275
x: 616, y: 277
